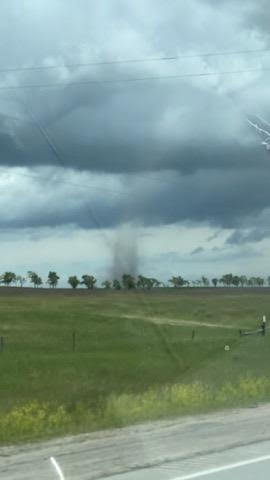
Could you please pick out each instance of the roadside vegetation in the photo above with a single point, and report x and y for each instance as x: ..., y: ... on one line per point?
x: 76, y: 363
x: 37, y: 420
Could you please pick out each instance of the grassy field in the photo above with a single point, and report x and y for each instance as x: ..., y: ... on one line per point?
x: 134, y: 359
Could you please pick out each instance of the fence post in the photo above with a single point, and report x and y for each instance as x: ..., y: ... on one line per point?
x: 193, y: 334
x: 1, y: 344
x: 263, y: 325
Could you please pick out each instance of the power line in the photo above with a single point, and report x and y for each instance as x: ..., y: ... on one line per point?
x: 135, y: 60
x: 58, y: 158
x: 136, y: 79
x: 62, y: 164
x: 56, y: 154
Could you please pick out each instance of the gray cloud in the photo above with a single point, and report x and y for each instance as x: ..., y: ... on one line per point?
x: 197, y: 250
x: 143, y: 139
x: 189, y: 135
x: 226, y: 199
x: 125, y: 127
x: 212, y: 256
x: 240, y: 237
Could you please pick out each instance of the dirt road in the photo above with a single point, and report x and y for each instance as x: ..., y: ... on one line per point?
x: 184, y: 323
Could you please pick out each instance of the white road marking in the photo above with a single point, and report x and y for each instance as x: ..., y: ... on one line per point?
x: 224, y: 468
x: 57, y: 468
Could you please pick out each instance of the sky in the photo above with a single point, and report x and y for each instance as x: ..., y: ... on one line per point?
x: 102, y: 174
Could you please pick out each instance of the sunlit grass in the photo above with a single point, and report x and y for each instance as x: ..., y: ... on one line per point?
x: 125, y: 370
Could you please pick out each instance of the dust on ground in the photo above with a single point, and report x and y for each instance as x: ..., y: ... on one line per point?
x: 177, y: 322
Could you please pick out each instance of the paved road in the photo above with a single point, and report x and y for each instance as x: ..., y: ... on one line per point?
x: 242, y: 463
x: 161, y: 451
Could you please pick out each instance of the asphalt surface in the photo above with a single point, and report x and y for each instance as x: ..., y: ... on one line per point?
x: 235, y: 464
x: 169, y: 450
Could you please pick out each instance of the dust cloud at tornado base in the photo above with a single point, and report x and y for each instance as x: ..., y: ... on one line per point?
x: 125, y: 255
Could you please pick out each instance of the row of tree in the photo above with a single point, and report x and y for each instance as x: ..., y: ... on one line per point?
x: 129, y: 282
x: 227, y: 280
x: 10, y: 278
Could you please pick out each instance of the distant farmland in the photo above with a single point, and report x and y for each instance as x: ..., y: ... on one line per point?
x: 79, y: 360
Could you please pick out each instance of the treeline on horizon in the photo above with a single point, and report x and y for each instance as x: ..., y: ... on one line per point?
x: 130, y: 282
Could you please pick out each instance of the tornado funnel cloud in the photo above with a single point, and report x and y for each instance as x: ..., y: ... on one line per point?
x: 125, y: 252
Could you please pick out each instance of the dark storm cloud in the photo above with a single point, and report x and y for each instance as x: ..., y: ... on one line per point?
x: 125, y: 127
x: 10, y: 153
x: 140, y: 138
x: 239, y: 237
x: 194, y: 130
x: 227, y: 199
x: 224, y: 199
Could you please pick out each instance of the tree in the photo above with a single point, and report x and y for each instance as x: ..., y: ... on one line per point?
x: 73, y: 281
x: 38, y: 282
x: 20, y: 280
x: 128, y: 281
x: 178, y: 281
x: 250, y: 282
x: 116, y: 284
x: 89, y: 281
x: 106, y: 284
x: 227, y: 279
x: 236, y: 280
x: 152, y: 283
x: 141, y: 281
x: 7, y: 278
x: 147, y: 283
x: 256, y: 282
x: 243, y: 280
x: 53, y: 279
x: 215, y: 281
x: 35, y: 279
x: 205, y: 281
x: 156, y: 283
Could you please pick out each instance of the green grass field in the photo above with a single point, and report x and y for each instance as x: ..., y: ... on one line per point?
x: 134, y: 357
